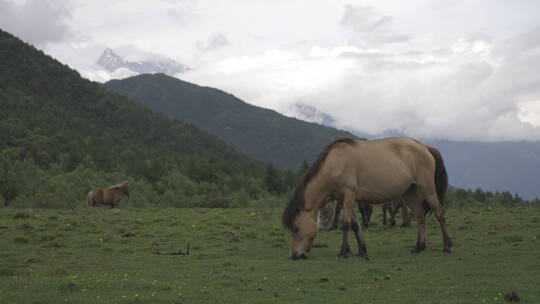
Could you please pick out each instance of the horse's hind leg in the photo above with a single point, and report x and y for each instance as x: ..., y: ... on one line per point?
x: 435, y: 205
x: 415, y: 202
x: 428, y: 190
x: 420, y: 217
x: 336, y: 216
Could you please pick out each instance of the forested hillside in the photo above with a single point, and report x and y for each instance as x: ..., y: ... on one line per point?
x: 61, y: 134
x: 260, y: 133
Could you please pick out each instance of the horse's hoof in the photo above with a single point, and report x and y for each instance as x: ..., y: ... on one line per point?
x: 363, y: 256
x: 341, y: 256
x: 415, y: 250
x: 447, y: 250
x: 296, y: 257
x: 420, y: 246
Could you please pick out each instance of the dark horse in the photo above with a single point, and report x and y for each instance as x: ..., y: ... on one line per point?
x: 392, y: 208
x: 329, y: 213
x: 374, y: 171
x: 108, y: 196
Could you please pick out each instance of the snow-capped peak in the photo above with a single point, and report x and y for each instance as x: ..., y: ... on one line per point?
x: 111, y: 61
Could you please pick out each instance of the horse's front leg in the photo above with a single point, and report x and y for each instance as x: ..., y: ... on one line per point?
x: 348, y: 223
x: 362, y: 250
x: 345, y: 247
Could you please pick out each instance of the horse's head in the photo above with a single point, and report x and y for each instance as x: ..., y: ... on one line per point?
x: 303, y: 233
x: 125, y: 186
x: 326, y: 215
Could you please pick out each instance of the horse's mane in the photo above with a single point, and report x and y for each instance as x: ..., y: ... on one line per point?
x: 122, y: 185
x: 297, y: 201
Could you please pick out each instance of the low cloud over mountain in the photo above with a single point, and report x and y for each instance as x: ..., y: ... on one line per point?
x: 113, y: 63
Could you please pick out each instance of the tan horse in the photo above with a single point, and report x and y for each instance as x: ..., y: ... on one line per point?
x: 108, y: 196
x: 375, y: 171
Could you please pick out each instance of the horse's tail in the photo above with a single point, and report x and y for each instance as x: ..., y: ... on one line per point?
x: 90, y: 198
x: 95, y: 197
x: 441, y: 177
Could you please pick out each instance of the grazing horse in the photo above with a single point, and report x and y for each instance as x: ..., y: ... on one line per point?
x: 374, y: 171
x: 108, y: 196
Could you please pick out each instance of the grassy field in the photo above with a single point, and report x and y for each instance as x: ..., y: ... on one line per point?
x: 241, y: 256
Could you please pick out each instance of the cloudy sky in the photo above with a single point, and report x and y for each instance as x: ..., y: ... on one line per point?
x: 452, y: 69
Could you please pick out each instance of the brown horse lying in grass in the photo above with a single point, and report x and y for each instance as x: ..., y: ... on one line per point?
x: 108, y: 196
x: 375, y: 171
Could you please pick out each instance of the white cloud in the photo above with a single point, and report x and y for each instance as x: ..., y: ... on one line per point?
x: 529, y: 112
x: 472, y: 91
x: 215, y: 41
x: 122, y: 73
x: 370, y: 26
x: 38, y: 21
x: 364, y: 19
x: 457, y: 70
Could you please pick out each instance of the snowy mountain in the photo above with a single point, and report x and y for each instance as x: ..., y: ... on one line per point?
x: 312, y: 114
x: 111, y: 62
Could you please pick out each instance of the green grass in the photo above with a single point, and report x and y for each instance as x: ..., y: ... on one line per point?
x: 241, y: 256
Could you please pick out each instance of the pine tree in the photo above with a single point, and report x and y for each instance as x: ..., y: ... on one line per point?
x: 272, y: 180
x: 303, y: 168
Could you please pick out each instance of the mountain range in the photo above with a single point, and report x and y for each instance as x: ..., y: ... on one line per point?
x: 54, y: 120
x: 271, y: 137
